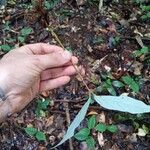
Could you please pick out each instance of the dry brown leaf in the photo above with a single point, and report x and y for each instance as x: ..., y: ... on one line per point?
x: 101, y: 117
x: 45, y: 93
x: 92, y: 113
x: 49, y: 121
x: 80, y: 2
x: 100, y: 139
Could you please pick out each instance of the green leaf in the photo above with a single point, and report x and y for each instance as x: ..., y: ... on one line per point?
x: 132, y: 84
x: 40, y: 136
x: 118, y: 84
x: 145, y: 128
x: 90, y: 143
x: 82, y: 134
x: 5, y: 48
x: 43, y: 104
x: 26, y: 31
x: 52, y: 4
x: 146, y: 8
x: 112, y: 128
x: 76, y: 122
x: 21, y: 39
x: 92, y: 122
x: 30, y: 131
x: 140, y: 52
x: 111, y: 90
x: 69, y: 49
x: 122, y: 103
x: 101, y: 127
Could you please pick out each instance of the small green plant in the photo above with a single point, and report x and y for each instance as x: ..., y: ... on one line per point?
x: 109, y: 85
x: 42, y: 106
x: 33, y: 132
x: 24, y: 33
x: 131, y: 83
x: 85, y: 134
x: 5, y: 48
x: 145, y: 9
x: 50, y: 4
x: 142, y: 51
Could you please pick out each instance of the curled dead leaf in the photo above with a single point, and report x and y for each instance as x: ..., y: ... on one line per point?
x: 92, y: 113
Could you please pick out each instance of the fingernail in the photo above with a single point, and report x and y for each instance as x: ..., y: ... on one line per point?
x: 66, y: 54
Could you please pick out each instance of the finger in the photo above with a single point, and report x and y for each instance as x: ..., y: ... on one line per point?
x: 40, y: 48
x: 57, y: 72
x: 74, y: 61
x: 55, y: 59
x: 54, y: 83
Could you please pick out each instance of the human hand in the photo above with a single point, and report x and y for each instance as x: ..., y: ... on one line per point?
x: 29, y: 70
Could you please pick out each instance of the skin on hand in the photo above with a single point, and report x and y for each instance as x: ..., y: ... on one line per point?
x: 31, y: 69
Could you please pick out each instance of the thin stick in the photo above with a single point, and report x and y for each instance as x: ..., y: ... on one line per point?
x: 68, y: 121
x: 60, y: 43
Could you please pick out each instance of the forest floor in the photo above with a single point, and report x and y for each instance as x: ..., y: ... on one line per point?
x: 111, y: 42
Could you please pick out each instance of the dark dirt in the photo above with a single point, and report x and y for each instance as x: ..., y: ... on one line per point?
x: 78, y: 30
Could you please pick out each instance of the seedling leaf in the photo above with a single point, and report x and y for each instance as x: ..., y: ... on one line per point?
x: 92, y: 122
x: 101, y: 127
x: 40, y: 136
x: 82, y: 134
x: 26, y: 31
x: 112, y: 128
x: 122, y: 103
x: 90, y: 143
x: 30, y: 131
x: 5, y: 48
x: 129, y: 81
x: 118, y: 84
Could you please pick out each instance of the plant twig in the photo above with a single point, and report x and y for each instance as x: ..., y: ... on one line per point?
x: 100, y: 5
x: 60, y: 43
x: 68, y: 122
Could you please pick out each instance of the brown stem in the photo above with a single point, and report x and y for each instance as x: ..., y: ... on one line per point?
x: 77, y: 70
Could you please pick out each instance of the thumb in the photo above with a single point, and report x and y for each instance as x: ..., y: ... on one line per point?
x: 55, y: 59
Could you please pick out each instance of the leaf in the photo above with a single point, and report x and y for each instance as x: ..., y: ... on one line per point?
x: 122, y: 103
x: 92, y: 122
x: 146, y: 8
x: 43, y: 104
x: 30, y: 131
x: 40, y: 136
x: 145, y: 128
x: 90, y: 143
x: 112, y: 128
x: 82, y: 134
x: 76, y: 122
x: 101, y: 127
x: 129, y: 81
x: 26, y: 31
x: 52, y: 4
x: 111, y: 90
x: 118, y: 84
x: 140, y: 52
x: 21, y: 39
x: 5, y: 48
